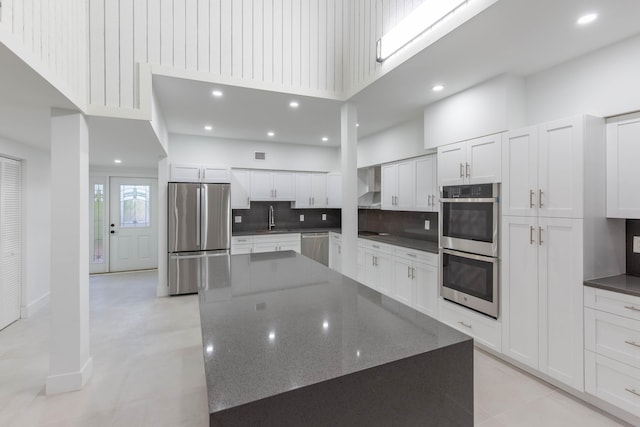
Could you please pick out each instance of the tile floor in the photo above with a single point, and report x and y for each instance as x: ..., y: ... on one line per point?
x: 148, y: 370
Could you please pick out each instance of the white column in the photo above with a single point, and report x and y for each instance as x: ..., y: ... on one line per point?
x: 70, y: 364
x: 163, y: 188
x: 349, y: 158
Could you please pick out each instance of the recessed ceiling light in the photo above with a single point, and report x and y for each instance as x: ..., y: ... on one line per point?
x: 437, y: 88
x: 357, y: 125
x: 118, y: 161
x: 294, y: 104
x: 325, y: 139
x: 217, y: 93
x: 587, y: 19
x: 208, y: 127
x: 270, y: 133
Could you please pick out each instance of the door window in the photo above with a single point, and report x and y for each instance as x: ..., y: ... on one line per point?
x: 134, y: 206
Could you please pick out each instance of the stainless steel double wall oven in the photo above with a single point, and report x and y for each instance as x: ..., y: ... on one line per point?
x: 469, y: 239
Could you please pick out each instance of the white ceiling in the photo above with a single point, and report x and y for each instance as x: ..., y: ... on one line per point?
x: 515, y: 36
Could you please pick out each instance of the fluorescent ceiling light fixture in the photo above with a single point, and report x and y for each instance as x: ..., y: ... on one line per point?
x: 118, y: 161
x: 217, y: 93
x: 325, y: 139
x: 437, y: 88
x: 587, y: 19
x: 208, y: 127
x: 417, y: 22
x: 294, y: 104
x: 270, y: 133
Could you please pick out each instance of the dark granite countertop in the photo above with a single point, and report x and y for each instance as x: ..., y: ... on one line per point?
x: 275, y: 322
x: 263, y: 232
x: 622, y: 283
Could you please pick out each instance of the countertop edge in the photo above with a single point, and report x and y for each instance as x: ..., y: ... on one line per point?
x: 620, y: 283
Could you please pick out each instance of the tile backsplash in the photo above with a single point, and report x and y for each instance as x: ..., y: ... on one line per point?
x: 257, y: 217
x: 633, y: 259
x: 399, y: 223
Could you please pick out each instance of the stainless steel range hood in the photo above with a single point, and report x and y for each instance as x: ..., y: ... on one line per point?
x: 369, y: 187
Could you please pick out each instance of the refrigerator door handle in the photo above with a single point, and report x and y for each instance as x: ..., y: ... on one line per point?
x: 198, y: 218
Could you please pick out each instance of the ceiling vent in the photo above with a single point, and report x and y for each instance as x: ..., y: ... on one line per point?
x: 260, y: 155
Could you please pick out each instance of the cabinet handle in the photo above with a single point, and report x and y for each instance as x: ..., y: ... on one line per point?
x: 461, y: 171
x: 409, y: 272
x: 540, y: 242
x: 540, y: 193
x: 465, y: 325
x: 432, y: 200
x: 412, y: 255
x: 531, y: 193
x: 413, y: 273
x: 313, y: 200
x: 632, y: 391
x: 375, y: 246
x: 376, y: 261
x: 248, y: 200
x: 467, y: 168
x: 635, y: 344
x: 327, y: 201
x: 531, y: 241
x: 631, y: 307
x: 339, y: 250
x: 275, y: 192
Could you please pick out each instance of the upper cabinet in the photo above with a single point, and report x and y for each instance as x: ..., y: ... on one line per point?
x: 398, y: 185
x: 475, y: 161
x: 623, y: 158
x: 240, y: 189
x: 426, y: 184
x: 272, y: 185
x: 311, y: 190
x: 334, y: 190
x: 182, y: 172
x: 543, y: 167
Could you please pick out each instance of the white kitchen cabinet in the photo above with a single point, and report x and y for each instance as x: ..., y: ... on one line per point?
x: 541, y: 303
x: 334, y: 190
x: 623, y: 158
x: 403, y: 284
x: 310, y: 190
x: 272, y: 185
x: 335, y: 251
x: 543, y: 167
x: 398, y: 185
x: 427, y: 194
x: 416, y: 279
x: 265, y: 243
x: 475, y: 161
x: 182, y: 172
x: 240, y: 189
x: 378, y: 266
x: 484, y: 330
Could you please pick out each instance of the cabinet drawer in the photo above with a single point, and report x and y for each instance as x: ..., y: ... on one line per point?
x: 613, y: 336
x: 483, y: 329
x: 335, y: 237
x: 289, y: 237
x: 612, y: 302
x: 382, y: 247
x: 418, y: 256
x: 241, y: 240
x: 243, y: 248
x: 612, y: 381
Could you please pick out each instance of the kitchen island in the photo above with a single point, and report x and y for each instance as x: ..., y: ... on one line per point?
x: 290, y: 342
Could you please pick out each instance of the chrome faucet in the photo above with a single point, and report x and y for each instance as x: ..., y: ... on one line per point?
x: 272, y: 220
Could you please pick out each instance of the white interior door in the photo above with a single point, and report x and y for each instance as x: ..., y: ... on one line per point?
x: 133, y: 230
x: 10, y: 241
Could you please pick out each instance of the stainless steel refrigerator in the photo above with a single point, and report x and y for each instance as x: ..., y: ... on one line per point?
x: 199, y: 233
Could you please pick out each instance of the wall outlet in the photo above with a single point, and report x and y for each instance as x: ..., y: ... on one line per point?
x: 427, y: 224
x: 237, y: 219
x: 324, y: 217
x: 636, y: 244
x: 301, y: 218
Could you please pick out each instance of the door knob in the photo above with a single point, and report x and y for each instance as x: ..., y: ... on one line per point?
x: 113, y: 225
x: 113, y: 232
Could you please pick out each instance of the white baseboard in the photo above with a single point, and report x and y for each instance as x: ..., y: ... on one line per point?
x: 71, y: 381
x: 30, y: 309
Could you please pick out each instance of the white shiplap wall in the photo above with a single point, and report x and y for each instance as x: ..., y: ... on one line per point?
x: 51, y: 36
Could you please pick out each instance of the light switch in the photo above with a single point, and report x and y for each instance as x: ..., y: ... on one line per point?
x: 636, y: 244
x: 324, y: 217
x: 427, y: 224
x: 301, y: 218
x: 237, y: 219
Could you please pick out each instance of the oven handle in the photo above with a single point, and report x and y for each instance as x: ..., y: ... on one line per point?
x: 470, y: 200
x: 470, y: 256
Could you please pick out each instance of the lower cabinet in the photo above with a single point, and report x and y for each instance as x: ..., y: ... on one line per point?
x: 377, y: 269
x: 335, y: 251
x: 485, y: 330
x: 265, y: 243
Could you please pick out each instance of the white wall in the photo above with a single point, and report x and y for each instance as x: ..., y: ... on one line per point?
x: 398, y: 142
x: 36, y: 225
x: 603, y: 83
x: 240, y: 154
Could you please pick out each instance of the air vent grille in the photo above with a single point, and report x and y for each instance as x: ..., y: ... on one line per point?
x: 260, y: 155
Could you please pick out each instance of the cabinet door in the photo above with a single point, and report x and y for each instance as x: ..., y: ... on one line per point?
x: 336, y: 255
x: 265, y: 247
x: 406, y: 186
x: 370, y: 270
x: 426, y: 289
x: 560, y: 299
x: 334, y: 190
x: 389, y: 186
x: 319, y: 190
x: 403, y: 281
x: 185, y: 173
x: 303, y: 190
x: 284, y: 186
x: 623, y: 158
x: 560, y: 165
x: 261, y: 185
x: 451, y: 164
x: 385, y: 274
x: 519, y: 284
x: 426, y: 186
x: 520, y: 169
x: 240, y: 185
x: 289, y: 246
x: 215, y: 174
x: 483, y: 159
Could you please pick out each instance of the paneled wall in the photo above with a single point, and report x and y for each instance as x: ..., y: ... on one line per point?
x: 51, y: 36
